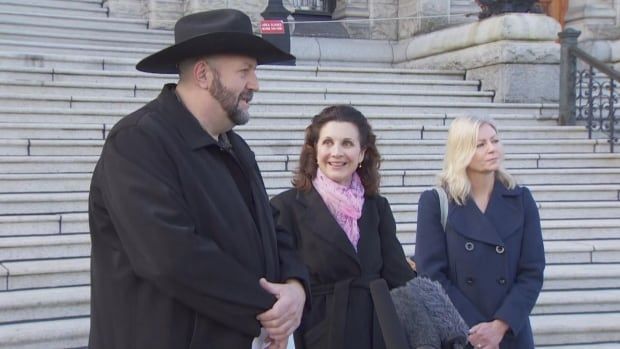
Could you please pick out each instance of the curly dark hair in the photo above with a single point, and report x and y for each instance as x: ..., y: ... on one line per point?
x: 369, y: 170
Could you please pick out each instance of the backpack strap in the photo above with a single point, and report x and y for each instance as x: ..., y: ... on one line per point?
x: 443, y: 205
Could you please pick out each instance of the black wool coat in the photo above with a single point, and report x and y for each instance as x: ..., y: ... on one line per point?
x: 177, y: 250
x: 342, y: 314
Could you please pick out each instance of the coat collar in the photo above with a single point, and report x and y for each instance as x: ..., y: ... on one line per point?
x: 182, y: 119
x: 504, y: 215
x: 324, y: 224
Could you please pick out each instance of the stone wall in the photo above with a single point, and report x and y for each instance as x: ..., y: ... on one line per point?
x: 514, y: 55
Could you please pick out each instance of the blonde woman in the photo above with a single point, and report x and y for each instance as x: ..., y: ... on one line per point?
x: 490, y: 258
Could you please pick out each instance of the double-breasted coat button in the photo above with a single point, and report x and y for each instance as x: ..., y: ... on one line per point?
x: 469, y: 246
x: 499, y: 249
x: 469, y: 281
x: 501, y: 281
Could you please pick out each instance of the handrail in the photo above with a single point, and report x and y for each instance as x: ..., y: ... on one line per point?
x: 597, y: 64
x: 589, y: 95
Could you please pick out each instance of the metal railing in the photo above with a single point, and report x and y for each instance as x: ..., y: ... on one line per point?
x: 317, y: 6
x: 590, y: 94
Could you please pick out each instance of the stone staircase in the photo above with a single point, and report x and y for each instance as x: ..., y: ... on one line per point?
x: 66, y: 76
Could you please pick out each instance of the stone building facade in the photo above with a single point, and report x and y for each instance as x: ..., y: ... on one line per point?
x: 515, y: 55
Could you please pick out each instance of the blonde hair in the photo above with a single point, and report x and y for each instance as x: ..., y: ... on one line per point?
x: 460, y: 150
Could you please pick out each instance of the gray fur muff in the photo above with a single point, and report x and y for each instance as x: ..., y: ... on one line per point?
x: 429, y: 318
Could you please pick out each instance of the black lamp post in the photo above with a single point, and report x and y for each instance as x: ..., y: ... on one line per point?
x: 276, y: 11
x: 497, y: 7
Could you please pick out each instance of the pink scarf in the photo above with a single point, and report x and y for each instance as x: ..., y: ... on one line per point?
x: 344, y: 203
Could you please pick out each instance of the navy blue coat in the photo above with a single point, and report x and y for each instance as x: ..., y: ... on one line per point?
x: 491, y: 264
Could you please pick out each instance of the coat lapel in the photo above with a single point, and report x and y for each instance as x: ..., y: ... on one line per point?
x: 320, y: 222
x: 505, y: 210
x: 264, y: 222
x: 500, y: 220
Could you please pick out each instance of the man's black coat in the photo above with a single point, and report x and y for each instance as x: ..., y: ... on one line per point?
x: 178, y: 242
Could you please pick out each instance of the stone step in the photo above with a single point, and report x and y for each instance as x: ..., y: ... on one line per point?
x: 66, y: 4
x: 581, y: 301
x: 409, y: 132
x: 44, y: 224
x: 26, y: 130
x: 567, y: 252
x: 569, y: 229
x: 364, y: 72
x: 62, y: 164
x: 93, y: 130
x: 553, y: 230
x: 609, y: 345
x: 58, y: 333
x: 41, y: 304
x: 42, y: 203
x: 75, y: 271
x: 376, y: 107
x: 108, y: 62
x: 26, y: 58
x: 269, y: 78
x: 517, y: 146
x: 582, y: 251
x: 61, y: 147
x: 45, y: 273
x: 525, y: 176
x: 51, y: 164
x: 329, y: 94
x: 64, y: 115
x: 44, y: 247
x: 98, y: 23
x: 44, y: 182
x: 541, y: 193
x: 576, y: 328
x: 74, y: 29
x: 582, y: 276
x: 43, y: 48
x: 579, y: 209
x: 73, y: 164
x: 91, y: 8
x: 117, y: 39
x: 265, y: 105
x: 39, y: 220
x: 512, y: 161
x: 548, y: 210
x: 56, y: 182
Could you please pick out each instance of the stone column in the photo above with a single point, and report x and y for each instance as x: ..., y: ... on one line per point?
x: 163, y: 14
x: 430, y: 15
x: 594, y: 18
x: 600, y: 29
x: 251, y: 8
x: 384, y: 29
x: 124, y: 8
x: 515, y: 55
x: 354, y: 9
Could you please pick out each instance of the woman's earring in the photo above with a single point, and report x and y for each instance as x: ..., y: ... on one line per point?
x: 360, y: 165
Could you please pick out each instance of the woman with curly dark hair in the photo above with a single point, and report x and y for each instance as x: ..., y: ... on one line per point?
x: 343, y: 229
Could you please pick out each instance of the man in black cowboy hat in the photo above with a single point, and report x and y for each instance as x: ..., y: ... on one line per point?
x: 184, y: 249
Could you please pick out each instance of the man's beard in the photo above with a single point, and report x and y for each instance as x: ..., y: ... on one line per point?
x: 230, y: 102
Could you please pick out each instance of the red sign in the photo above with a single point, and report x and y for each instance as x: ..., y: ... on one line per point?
x: 272, y: 26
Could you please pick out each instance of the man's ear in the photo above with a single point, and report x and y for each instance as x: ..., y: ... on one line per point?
x: 202, y: 74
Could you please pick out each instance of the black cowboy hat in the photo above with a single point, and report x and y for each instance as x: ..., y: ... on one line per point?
x: 224, y: 31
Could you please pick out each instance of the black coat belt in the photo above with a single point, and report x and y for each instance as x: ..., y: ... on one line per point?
x: 337, y: 309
